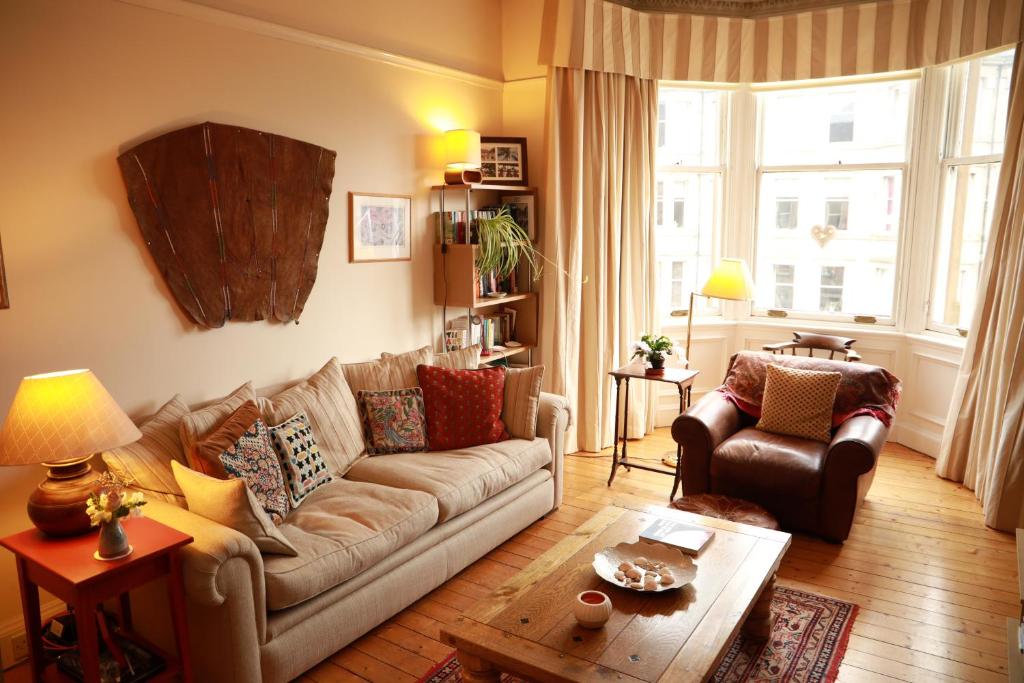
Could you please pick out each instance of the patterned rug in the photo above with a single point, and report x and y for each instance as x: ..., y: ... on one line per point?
x: 808, y: 643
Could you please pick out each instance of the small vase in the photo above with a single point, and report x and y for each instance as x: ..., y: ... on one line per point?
x: 113, y: 540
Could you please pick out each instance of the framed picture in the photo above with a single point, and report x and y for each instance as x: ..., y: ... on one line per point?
x: 521, y: 208
x: 503, y: 160
x: 379, y: 227
x: 5, y: 300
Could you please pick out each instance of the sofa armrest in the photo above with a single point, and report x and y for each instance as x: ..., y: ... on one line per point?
x: 848, y: 472
x: 553, y: 419
x: 211, y: 563
x: 700, y: 430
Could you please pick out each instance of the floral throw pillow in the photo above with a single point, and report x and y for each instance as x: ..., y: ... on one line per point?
x: 253, y: 458
x: 463, y: 406
x: 303, y: 466
x: 393, y: 421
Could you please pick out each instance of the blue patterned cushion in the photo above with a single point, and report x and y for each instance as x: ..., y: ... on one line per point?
x: 303, y: 466
x: 254, y: 459
x: 394, y: 421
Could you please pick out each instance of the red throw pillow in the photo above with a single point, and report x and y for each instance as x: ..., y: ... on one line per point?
x: 463, y: 406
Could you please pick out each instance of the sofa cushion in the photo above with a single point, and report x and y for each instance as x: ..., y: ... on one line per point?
x: 341, y: 529
x: 303, y: 467
x: 798, y: 402
x: 393, y: 421
x: 199, y: 423
x: 253, y: 458
x: 329, y: 404
x: 522, y: 401
x: 460, y: 479
x: 757, y: 466
x: 393, y: 372
x: 205, y: 454
x: 146, y: 464
x: 463, y: 406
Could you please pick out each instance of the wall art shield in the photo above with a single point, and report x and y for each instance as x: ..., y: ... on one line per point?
x: 233, y: 217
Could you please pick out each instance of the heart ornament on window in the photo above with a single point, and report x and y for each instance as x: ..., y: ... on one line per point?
x: 823, y: 234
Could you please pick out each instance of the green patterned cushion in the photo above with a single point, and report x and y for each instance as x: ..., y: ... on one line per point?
x: 394, y: 421
x: 304, y: 468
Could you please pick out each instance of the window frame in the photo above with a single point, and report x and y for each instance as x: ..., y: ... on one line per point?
x: 903, y: 168
x: 665, y: 173
x: 957, y: 80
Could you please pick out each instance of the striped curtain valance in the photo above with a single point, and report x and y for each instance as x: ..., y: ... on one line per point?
x: 858, y: 38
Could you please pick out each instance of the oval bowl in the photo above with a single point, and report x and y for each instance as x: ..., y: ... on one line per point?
x: 606, y: 563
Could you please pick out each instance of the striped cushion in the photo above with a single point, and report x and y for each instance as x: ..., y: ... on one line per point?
x: 391, y: 372
x: 147, y: 462
x: 330, y: 405
x: 199, y: 424
x: 459, y: 359
x: 522, y: 401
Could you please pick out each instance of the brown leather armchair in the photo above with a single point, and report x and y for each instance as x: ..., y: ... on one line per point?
x: 809, y: 486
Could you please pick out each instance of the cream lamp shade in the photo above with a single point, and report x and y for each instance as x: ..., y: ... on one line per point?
x: 62, y: 416
x: 462, y: 149
x: 730, y: 280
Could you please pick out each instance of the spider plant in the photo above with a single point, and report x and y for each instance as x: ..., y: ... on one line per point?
x: 503, y: 244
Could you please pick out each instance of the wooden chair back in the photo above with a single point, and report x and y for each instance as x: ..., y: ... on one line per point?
x: 814, y: 341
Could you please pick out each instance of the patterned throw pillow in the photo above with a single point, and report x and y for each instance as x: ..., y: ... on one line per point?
x: 253, y: 458
x: 204, y: 455
x: 394, y: 421
x: 304, y: 468
x: 798, y: 402
x: 463, y: 406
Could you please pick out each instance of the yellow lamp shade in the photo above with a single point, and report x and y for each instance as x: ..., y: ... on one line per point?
x: 61, y: 416
x: 462, y: 149
x: 730, y: 280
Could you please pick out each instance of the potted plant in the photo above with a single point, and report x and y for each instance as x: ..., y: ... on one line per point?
x: 503, y: 244
x: 106, y: 506
x: 653, y: 350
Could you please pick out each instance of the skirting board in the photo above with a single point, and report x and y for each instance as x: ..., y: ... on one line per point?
x: 15, y: 625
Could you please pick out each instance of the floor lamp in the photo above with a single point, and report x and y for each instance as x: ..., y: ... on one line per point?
x: 729, y: 280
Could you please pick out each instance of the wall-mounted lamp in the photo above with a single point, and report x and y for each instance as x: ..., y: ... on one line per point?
x: 462, y: 157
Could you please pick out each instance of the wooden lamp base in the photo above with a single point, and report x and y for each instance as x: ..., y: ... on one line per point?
x: 462, y: 176
x: 57, y: 506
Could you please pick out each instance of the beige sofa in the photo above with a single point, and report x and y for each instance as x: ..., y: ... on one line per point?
x: 370, y: 544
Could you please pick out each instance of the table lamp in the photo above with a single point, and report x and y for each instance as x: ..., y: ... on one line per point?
x: 462, y: 157
x: 729, y: 280
x: 61, y: 419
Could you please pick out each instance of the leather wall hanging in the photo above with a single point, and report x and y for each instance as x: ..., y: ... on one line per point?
x: 233, y: 217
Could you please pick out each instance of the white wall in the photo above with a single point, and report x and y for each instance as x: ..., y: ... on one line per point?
x: 85, y: 80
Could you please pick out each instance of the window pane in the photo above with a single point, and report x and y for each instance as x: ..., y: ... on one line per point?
x: 785, y: 212
x: 969, y: 195
x: 687, y: 237
x: 693, y: 127
x: 985, y: 90
x: 838, y: 269
x: 861, y: 123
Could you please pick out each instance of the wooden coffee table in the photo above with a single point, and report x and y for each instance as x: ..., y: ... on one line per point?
x: 526, y: 626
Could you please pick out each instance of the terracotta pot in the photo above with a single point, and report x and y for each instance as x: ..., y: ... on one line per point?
x: 592, y: 609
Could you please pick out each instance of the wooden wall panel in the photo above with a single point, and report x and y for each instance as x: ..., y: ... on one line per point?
x: 234, y: 218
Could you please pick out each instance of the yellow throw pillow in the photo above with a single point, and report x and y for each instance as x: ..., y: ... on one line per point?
x: 799, y: 402
x: 231, y: 503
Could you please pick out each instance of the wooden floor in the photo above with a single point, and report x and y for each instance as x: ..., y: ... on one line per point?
x: 934, y: 585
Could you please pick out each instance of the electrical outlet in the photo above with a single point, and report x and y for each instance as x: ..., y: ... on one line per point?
x: 19, y: 647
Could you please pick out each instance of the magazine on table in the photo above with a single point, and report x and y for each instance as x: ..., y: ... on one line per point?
x: 689, y: 538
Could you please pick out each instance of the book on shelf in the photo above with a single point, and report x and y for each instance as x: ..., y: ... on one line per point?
x: 689, y: 538
x: 452, y: 226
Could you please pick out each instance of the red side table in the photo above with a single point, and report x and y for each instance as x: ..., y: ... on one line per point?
x: 66, y: 568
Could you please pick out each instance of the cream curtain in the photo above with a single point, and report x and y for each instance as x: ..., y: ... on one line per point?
x: 600, y: 219
x: 983, y: 444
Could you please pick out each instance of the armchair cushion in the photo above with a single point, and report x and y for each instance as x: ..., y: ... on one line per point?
x: 754, y: 464
x: 799, y: 402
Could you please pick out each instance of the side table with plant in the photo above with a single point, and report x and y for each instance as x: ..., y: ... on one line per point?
x: 653, y: 350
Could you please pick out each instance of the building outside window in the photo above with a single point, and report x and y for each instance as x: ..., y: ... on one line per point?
x: 786, y: 212
x: 973, y: 149
x: 830, y: 292
x: 689, y: 176
x: 784, y: 278
x: 840, y: 125
x: 836, y: 210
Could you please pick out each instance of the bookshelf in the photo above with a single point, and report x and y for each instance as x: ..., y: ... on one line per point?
x: 456, y: 288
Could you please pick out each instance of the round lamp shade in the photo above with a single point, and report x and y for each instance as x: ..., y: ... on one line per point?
x: 61, y: 416
x: 462, y: 149
x: 730, y: 280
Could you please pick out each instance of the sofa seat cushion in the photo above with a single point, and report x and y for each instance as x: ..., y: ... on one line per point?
x: 341, y: 529
x: 761, y: 466
x: 460, y: 479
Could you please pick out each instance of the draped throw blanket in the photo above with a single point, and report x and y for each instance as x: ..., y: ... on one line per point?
x: 856, y: 38
x: 863, y: 390
x: 983, y: 444
x: 601, y: 131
